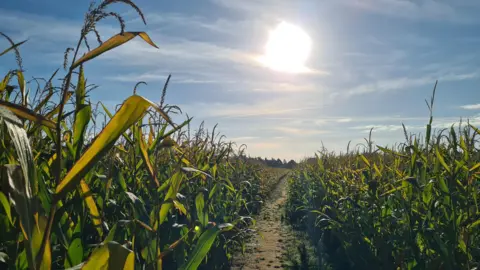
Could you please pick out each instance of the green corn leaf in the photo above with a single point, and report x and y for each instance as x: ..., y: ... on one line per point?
x: 6, y: 206
x: 145, y: 156
x: 82, y: 117
x: 21, y: 197
x: 201, y: 249
x: 474, y: 225
x: 440, y: 158
x: 443, y: 185
x: 200, y: 206
x: 75, y: 249
x: 12, y: 47
x: 111, y: 234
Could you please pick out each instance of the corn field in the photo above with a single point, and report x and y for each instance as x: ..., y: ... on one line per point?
x: 410, y: 206
x: 83, y: 187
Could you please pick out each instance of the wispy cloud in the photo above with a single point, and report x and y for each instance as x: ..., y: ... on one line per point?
x: 415, y: 10
x: 300, y: 131
x: 471, y: 107
x: 406, y: 82
x: 344, y: 120
x: 367, y: 128
x: 242, y: 139
x: 163, y: 75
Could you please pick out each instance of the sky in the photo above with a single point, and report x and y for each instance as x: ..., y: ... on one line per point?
x: 374, y: 63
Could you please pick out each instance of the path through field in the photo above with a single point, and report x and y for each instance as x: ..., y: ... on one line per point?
x: 266, y: 252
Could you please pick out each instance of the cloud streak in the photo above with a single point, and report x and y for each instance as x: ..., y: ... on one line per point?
x: 471, y: 107
x: 421, y: 10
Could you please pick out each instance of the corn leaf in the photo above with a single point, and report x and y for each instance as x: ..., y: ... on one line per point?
x: 440, y: 158
x: 201, y: 249
x: 474, y: 167
x: 6, y: 206
x: 21, y: 84
x: 365, y: 160
x: 145, y: 157
x: 12, y: 47
x: 111, y: 256
x: 82, y: 115
x: 55, y: 110
x: 5, y: 81
x: 131, y: 111
x: 92, y: 206
x: 111, y: 43
x: 21, y: 197
x: 75, y: 249
x: 38, y: 232
x: 473, y: 225
x: 28, y: 114
x: 200, y: 206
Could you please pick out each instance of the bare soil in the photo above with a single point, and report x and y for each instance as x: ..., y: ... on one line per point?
x: 267, y: 249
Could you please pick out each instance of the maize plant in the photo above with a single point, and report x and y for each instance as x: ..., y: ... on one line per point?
x: 413, y: 205
x: 85, y: 187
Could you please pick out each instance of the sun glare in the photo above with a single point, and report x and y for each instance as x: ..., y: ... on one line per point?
x: 287, y: 49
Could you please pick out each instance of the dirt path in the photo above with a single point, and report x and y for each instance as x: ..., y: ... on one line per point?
x: 265, y: 250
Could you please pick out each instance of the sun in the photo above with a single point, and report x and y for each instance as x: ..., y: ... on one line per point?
x: 287, y: 49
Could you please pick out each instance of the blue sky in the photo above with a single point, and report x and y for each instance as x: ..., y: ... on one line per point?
x: 375, y: 61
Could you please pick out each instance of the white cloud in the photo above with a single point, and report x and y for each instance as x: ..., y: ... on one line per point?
x: 471, y: 107
x: 344, y: 120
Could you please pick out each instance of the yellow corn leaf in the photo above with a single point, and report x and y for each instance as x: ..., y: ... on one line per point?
x: 111, y: 43
x: 377, y: 170
x: 130, y: 262
x: 21, y: 84
x: 180, y: 207
x: 365, y: 160
x: 133, y: 109
x: 442, y: 161
x: 109, y: 256
x: 151, y: 134
x: 4, y: 82
x: 38, y: 232
x: 28, y: 114
x: 92, y: 206
x: 145, y: 157
x: 476, y: 166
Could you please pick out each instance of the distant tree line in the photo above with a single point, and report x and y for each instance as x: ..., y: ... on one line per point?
x: 272, y: 162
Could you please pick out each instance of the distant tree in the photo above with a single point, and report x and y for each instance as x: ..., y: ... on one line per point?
x: 291, y: 164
